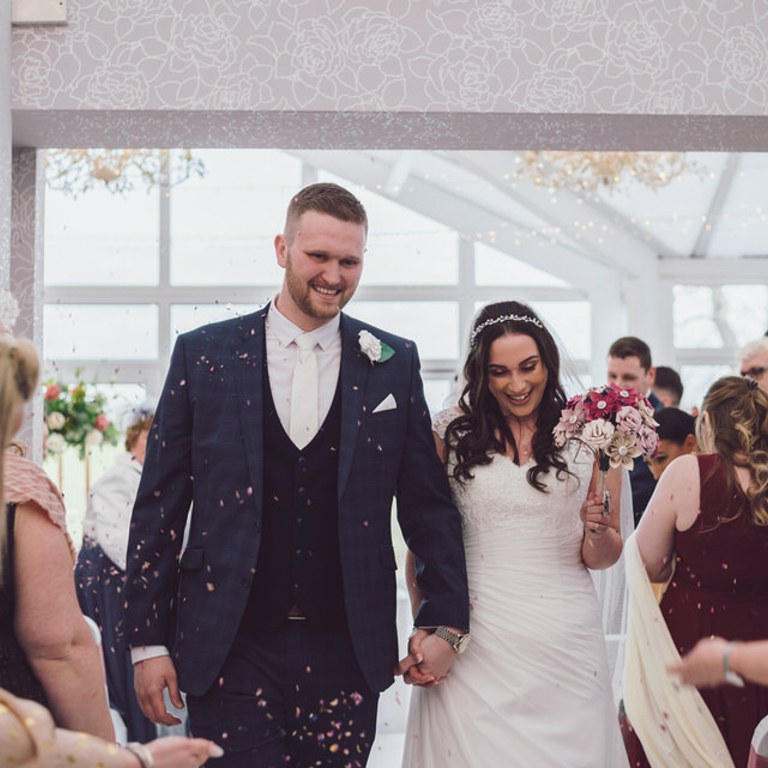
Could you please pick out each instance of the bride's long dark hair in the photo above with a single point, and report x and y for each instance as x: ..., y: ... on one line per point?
x: 481, y: 430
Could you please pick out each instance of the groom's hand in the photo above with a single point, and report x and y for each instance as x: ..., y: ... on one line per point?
x: 429, y: 659
x: 150, y: 678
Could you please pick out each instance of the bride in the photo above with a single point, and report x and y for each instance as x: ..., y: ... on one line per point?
x: 533, y: 688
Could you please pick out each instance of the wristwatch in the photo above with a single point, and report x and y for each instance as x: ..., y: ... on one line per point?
x: 458, y: 642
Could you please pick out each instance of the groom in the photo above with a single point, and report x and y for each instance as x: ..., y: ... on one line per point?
x: 288, y: 434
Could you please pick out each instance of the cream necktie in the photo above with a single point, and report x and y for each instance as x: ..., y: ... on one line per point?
x: 304, y: 392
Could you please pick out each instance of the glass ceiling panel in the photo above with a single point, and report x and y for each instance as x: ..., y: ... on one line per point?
x: 742, y: 228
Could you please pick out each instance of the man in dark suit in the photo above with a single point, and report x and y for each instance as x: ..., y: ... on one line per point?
x: 630, y: 367
x: 280, y: 613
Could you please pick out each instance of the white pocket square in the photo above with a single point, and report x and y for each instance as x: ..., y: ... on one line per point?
x: 387, y: 404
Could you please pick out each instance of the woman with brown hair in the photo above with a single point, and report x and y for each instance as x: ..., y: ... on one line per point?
x: 705, y: 533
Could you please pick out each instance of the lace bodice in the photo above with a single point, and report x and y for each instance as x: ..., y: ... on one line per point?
x: 500, y: 494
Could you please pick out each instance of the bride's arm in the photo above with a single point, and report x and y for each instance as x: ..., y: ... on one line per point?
x: 602, y: 543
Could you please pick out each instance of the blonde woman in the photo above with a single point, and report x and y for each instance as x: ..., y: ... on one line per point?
x: 705, y: 530
x: 47, y: 652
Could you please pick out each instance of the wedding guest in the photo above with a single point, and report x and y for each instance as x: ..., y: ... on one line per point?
x: 290, y: 431
x: 30, y: 739
x: 47, y: 652
x: 630, y: 367
x: 705, y: 536
x: 668, y: 386
x: 677, y: 437
x: 533, y: 688
x: 100, y: 571
x: 754, y: 361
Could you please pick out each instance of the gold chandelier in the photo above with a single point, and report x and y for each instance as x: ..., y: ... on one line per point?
x: 588, y: 171
x: 74, y: 171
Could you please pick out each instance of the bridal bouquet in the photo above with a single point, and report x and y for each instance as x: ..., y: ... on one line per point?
x: 616, y: 424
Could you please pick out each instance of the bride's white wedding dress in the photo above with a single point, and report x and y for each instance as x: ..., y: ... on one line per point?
x: 533, y: 689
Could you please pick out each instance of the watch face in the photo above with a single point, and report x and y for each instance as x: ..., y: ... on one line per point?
x: 463, y: 643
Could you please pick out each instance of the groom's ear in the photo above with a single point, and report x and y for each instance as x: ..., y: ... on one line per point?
x: 281, y: 250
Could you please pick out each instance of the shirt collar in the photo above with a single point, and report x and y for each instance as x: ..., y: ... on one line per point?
x: 287, y: 331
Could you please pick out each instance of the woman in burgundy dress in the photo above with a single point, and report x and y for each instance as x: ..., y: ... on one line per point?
x: 706, y: 526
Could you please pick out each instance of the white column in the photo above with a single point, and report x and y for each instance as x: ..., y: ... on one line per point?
x: 5, y: 143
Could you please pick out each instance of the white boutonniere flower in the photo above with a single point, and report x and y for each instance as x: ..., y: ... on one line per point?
x: 374, y: 349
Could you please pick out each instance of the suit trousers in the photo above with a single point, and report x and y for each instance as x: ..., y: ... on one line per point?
x: 289, y: 697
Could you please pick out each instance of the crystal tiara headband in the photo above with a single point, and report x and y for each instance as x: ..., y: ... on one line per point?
x: 503, y: 319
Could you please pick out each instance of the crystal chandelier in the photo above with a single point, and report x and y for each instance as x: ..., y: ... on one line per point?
x: 588, y: 171
x: 74, y: 171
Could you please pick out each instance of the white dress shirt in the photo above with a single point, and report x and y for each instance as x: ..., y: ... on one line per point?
x: 282, y: 353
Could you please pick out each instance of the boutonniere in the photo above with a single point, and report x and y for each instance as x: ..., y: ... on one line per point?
x: 375, y: 349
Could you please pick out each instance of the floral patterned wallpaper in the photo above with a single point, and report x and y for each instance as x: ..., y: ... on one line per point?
x: 665, y: 57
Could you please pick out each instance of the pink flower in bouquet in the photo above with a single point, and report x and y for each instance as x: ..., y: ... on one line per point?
x: 101, y: 422
x: 597, y: 434
x: 628, y: 420
x: 647, y: 439
x: 572, y: 420
x: 52, y: 391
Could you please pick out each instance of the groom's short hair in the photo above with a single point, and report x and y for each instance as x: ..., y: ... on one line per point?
x: 327, y: 198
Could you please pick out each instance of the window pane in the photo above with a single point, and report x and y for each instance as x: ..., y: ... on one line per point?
x: 747, y: 311
x: 439, y: 394
x: 404, y: 247
x: 223, y: 225
x: 493, y: 267
x: 101, y: 238
x: 711, y: 317
x: 187, y: 317
x: 571, y: 321
x: 433, y: 325
x: 100, y: 332
x: 697, y: 380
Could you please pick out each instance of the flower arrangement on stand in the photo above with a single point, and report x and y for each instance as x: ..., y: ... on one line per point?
x: 75, y: 418
x: 616, y: 424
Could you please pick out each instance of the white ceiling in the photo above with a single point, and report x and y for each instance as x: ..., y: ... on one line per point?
x: 716, y: 211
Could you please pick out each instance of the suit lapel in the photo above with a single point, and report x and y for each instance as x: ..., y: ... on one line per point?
x: 353, y: 375
x: 249, y: 355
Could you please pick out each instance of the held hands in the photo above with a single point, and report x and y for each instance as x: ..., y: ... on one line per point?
x: 596, y: 524
x: 429, y: 659
x: 150, y: 678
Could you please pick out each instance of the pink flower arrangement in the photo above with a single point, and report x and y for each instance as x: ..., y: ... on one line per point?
x: 616, y: 424
x: 74, y: 416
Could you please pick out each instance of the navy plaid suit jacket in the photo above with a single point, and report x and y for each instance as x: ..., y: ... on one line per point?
x: 205, y: 455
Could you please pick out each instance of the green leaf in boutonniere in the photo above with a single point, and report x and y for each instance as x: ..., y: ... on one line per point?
x: 374, y: 349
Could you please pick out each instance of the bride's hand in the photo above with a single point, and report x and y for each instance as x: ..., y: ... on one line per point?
x: 595, y: 522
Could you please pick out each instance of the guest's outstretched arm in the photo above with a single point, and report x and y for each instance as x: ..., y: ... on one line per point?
x: 711, y: 658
